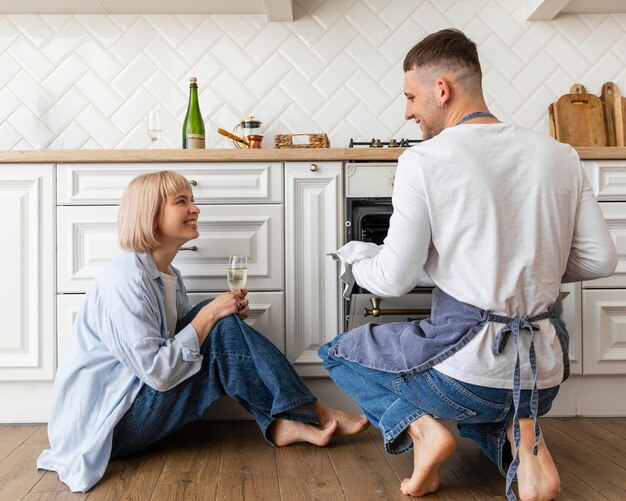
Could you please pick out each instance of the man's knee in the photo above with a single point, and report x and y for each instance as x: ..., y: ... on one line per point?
x: 327, y: 354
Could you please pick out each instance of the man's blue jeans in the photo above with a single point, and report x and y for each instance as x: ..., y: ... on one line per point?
x: 393, y: 401
x: 239, y: 362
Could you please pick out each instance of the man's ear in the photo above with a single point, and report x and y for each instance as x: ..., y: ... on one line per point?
x: 443, y: 92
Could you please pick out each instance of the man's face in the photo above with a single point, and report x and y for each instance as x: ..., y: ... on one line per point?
x: 421, y: 105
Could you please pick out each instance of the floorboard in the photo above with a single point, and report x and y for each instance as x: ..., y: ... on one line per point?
x: 230, y: 461
x: 248, y: 466
x: 588, y: 464
x: 192, y: 463
x: 363, y: 471
x: 320, y: 481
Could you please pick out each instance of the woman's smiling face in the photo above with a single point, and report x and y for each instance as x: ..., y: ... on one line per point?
x: 178, y: 221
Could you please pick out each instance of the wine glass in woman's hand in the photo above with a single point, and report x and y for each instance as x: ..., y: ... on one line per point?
x: 237, y: 272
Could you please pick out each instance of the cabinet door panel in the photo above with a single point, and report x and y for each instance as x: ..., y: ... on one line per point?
x: 604, y: 328
x: 27, y: 295
x: 615, y: 215
x: 608, y: 178
x: 266, y: 315
x: 68, y: 306
x: 312, y: 215
x: 104, y: 184
x: 87, y: 242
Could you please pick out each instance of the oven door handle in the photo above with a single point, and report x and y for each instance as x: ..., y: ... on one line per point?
x: 376, y: 310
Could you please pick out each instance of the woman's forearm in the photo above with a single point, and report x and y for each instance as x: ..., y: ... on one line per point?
x: 203, y: 323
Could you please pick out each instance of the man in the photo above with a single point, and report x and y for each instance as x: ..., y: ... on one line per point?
x: 498, y: 217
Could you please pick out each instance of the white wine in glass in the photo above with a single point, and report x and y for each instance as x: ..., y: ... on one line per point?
x: 154, y: 126
x: 237, y: 272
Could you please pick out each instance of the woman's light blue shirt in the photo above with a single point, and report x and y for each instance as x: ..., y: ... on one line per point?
x: 118, y: 343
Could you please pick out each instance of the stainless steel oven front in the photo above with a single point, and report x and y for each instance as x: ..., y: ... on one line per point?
x: 368, y: 208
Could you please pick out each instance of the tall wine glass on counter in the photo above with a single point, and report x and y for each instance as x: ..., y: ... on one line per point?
x: 154, y: 126
x: 237, y: 272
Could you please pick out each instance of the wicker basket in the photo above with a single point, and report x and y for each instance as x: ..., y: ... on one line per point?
x: 314, y: 141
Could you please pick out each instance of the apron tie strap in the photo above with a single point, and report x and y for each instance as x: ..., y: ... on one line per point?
x: 512, y: 327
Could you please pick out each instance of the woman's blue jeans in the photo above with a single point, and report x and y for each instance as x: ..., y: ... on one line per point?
x: 238, y: 362
x: 393, y: 401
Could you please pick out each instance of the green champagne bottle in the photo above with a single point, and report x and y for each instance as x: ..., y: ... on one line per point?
x: 193, y: 126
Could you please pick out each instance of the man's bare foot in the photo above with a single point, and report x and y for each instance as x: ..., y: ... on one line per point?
x: 537, y: 476
x: 432, y: 445
x: 283, y: 432
x: 348, y: 424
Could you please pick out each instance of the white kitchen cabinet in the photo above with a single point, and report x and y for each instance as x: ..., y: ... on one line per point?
x: 312, y: 218
x: 27, y: 253
x: 607, y: 178
x: 615, y: 216
x: 604, y: 300
x: 87, y: 242
x: 605, y: 319
x: 213, y: 183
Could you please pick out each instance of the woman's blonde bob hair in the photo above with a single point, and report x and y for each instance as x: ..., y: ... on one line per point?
x: 141, y: 206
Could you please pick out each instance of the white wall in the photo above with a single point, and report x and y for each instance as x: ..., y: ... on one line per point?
x: 88, y: 81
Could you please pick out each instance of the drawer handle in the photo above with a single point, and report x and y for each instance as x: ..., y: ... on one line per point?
x: 193, y: 183
x: 313, y: 168
x: 193, y: 248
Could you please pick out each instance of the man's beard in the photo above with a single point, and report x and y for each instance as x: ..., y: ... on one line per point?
x: 437, y: 121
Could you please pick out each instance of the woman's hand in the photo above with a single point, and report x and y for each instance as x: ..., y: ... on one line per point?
x: 244, y: 305
x: 222, y: 306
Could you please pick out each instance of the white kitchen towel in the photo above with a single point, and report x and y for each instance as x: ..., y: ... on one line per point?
x: 348, y: 254
x: 355, y: 251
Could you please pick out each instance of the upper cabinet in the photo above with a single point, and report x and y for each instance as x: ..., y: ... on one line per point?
x: 546, y: 10
x: 275, y: 10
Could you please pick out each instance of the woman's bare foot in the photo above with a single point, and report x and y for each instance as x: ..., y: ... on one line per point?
x: 537, y: 476
x: 348, y: 424
x: 432, y: 445
x: 283, y: 432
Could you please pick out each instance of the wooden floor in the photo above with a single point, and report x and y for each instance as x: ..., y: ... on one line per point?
x: 230, y: 461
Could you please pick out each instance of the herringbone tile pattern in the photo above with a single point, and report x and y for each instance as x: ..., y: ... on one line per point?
x: 88, y: 81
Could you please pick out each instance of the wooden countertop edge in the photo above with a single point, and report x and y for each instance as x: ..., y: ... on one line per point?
x: 234, y: 155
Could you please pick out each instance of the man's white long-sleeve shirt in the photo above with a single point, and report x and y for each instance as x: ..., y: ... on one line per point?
x: 497, y: 216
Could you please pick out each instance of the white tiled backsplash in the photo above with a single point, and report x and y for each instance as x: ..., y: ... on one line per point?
x: 88, y: 81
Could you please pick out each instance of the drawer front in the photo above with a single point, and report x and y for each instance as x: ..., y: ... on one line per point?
x: 615, y: 216
x: 266, y: 315
x: 604, y: 328
x: 104, y: 184
x: 87, y: 242
x: 370, y: 179
x: 608, y: 178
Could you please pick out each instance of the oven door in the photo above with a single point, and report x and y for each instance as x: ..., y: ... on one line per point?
x: 367, y: 220
x: 367, y: 308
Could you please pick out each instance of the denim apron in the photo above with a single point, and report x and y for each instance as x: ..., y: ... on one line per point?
x: 401, y: 347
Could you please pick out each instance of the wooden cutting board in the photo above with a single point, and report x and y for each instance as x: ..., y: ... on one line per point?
x: 614, y: 114
x: 579, y: 118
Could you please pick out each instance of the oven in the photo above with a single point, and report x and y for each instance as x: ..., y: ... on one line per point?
x: 368, y: 208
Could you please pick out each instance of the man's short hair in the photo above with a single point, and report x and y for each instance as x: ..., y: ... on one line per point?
x: 449, y: 49
x: 141, y: 205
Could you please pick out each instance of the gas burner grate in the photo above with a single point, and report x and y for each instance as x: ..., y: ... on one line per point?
x: 377, y: 143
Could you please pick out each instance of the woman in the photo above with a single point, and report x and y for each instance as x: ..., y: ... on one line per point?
x: 142, y: 362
